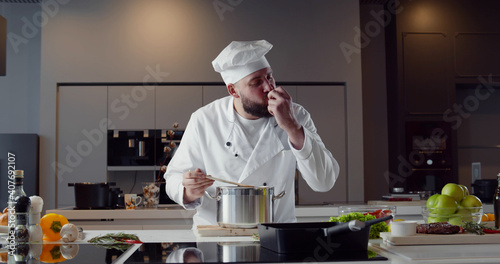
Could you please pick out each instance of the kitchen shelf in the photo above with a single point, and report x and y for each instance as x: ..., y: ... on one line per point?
x: 133, y: 168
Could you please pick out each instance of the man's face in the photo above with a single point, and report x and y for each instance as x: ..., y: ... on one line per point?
x: 253, y: 90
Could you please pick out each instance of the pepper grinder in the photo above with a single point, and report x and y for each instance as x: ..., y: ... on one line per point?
x: 35, y: 230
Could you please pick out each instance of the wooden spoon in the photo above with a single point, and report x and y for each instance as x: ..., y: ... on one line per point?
x: 230, y: 182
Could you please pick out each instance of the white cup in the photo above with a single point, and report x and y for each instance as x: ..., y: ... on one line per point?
x: 403, y: 228
x: 132, y: 200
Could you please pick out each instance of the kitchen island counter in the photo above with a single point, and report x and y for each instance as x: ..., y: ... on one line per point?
x: 395, y: 254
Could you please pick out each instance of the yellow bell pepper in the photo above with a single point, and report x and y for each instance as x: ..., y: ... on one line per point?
x: 51, y: 253
x: 51, y: 225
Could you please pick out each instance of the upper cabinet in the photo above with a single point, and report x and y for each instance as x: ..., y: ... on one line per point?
x: 175, y: 104
x: 157, y: 107
x: 131, y: 107
x: 425, y: 73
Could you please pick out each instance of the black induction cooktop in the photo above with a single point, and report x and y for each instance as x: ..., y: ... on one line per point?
x: 207, y: 252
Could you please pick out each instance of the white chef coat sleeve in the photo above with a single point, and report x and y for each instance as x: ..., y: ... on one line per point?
x: 186, y: 157
x: 315, y: 162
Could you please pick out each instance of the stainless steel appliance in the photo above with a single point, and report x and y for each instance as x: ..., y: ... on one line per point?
x: 428, y: 163
x: 140, y: 147
x: 131, y: 148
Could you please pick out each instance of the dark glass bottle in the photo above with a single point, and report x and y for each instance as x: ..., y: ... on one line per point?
x: 496, y: 203
x: 17, y: 192
x: 21, y: 232
x: 16, y: 221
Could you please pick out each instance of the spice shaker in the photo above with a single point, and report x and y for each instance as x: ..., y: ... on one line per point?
x: 35, y: 230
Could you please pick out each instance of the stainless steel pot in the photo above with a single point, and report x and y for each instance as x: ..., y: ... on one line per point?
x: 244, y: 207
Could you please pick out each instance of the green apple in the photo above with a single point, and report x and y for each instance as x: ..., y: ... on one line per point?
x: 431, y: 201
x: 457, y: 220
x: 462, y: 215
x: 453, y: 190
x: 432, y: 219
x: 471, y: 201
x: 444, y: 205
x: 466, y: 190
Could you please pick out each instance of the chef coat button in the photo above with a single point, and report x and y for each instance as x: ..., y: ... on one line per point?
x: 236, y: 155
x: 228, y: 144
x: 264, y: 184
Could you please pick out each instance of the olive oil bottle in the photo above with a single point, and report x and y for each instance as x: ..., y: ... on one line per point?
x: 496, y: 203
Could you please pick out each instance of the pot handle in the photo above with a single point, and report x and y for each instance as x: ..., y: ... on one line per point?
x: 279, y: 196
x: 217, y: 198
x: 70, y: 184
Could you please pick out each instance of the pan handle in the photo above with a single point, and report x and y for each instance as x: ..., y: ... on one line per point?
x: 279, y: 195
x: 217, y: 198
x: 378, y: 220
x: 351, y: 226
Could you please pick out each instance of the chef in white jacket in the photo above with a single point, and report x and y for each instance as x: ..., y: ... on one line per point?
x: 256, y: 136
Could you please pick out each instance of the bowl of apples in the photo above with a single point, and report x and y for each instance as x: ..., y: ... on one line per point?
x: 453, y: 205
x: 452, y: 215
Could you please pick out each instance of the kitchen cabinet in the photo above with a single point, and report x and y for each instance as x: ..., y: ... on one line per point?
x: 331, y: 123
x: 212, y: 93
x: 425, y: 73
x: 131, y: 107
x: 81, y: 138
x: 175, y: 104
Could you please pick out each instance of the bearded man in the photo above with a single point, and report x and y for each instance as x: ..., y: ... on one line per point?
x: 255, y: 136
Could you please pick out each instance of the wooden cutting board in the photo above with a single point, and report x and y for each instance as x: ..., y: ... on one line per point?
x: 436, y: 239
x: 213, y: 230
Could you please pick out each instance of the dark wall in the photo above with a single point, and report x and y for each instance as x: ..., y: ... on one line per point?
x: 3, y: 45
x: 432, y: 46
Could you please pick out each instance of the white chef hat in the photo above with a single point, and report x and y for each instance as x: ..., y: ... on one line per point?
x: 240, y: 58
